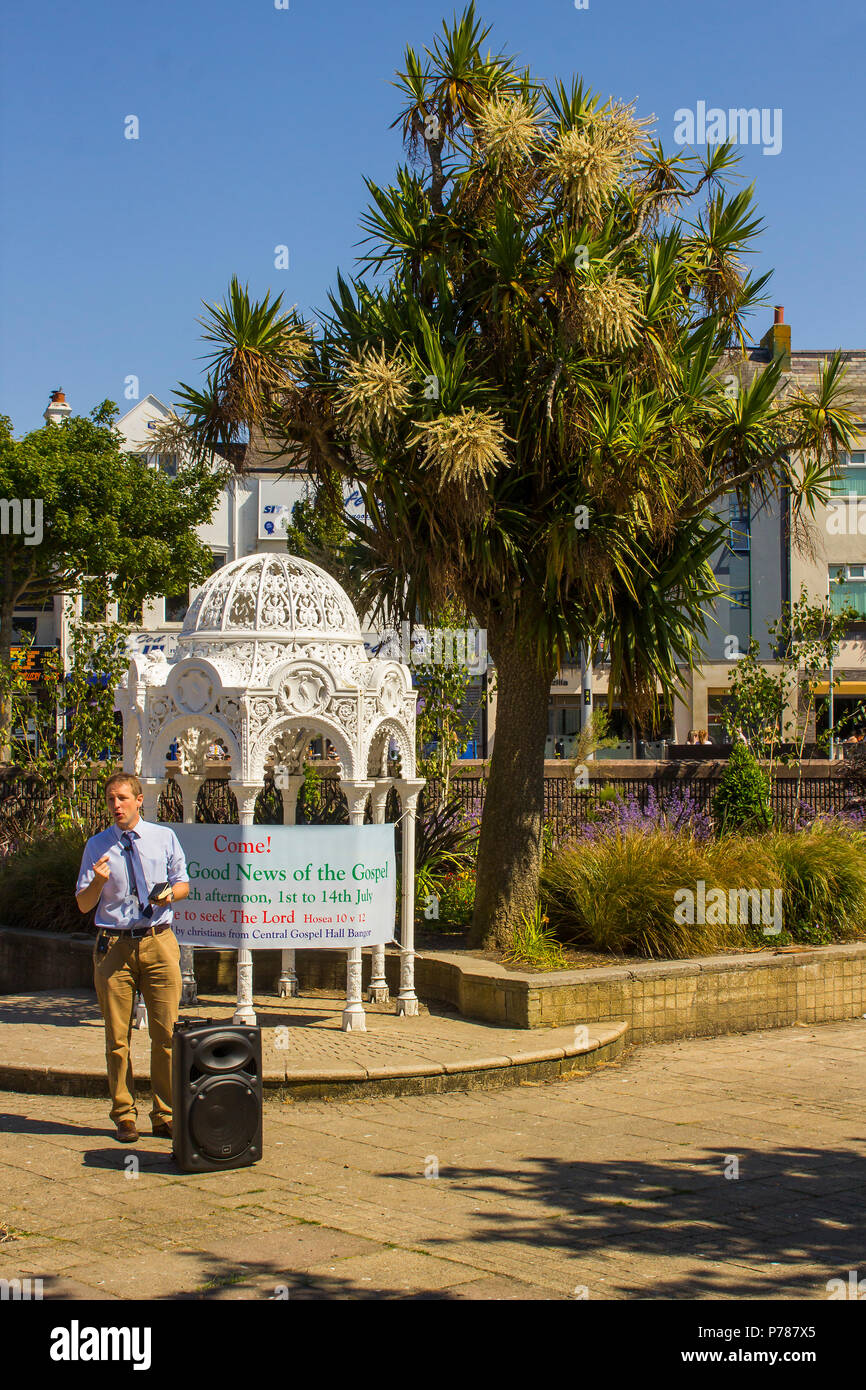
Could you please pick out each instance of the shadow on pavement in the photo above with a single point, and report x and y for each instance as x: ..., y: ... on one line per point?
x: 798, y: 1209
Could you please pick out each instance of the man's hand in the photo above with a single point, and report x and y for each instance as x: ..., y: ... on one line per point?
x: 89, y: 896
x: 102, y: 870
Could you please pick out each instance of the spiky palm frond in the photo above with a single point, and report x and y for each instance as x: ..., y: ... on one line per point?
x: 257, y: 349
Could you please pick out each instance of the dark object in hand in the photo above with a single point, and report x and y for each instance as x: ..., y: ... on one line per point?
x: 156, y: 892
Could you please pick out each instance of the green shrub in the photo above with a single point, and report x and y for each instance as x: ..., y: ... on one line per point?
x: 457, y: 900
x: 37, y: 884
x: 823, y: 872
x: 742, y: 801
x: 445, y: 841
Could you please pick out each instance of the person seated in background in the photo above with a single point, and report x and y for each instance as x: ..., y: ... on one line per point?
x: 692, y: 738
x: 703, y: 736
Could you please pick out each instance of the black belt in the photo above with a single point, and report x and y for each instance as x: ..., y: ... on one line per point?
x: 136, y: 933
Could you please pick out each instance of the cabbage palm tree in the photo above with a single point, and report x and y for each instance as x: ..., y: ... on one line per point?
x: 525, y: 381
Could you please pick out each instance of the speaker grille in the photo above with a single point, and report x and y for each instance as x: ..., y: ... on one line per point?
x: 224, y: 1118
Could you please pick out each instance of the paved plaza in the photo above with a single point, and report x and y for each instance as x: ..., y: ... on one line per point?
x: 711, y: 1169
x: 54, y: 1042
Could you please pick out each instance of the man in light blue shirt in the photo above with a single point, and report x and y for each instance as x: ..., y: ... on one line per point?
x: 133, y: 873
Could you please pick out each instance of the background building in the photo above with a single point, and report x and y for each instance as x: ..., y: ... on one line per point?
x: 760, y: 569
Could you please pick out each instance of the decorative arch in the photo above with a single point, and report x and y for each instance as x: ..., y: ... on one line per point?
x: 375, y: 752
x: 182, y: 724
x: 311, y: 725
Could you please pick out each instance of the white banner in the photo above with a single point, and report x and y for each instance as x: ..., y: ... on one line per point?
x: 257, y: 886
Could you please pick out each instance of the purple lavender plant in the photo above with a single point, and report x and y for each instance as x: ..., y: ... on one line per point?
x: 679, y: 812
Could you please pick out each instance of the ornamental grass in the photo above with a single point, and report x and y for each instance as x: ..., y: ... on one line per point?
x: 618, y: 893
x: 37, y: 884
x: 823, y: 873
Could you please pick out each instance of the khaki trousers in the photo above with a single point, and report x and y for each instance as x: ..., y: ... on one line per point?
x: 151, y: 965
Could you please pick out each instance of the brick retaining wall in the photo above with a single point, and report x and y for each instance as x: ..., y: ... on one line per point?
x: 660, y: 1000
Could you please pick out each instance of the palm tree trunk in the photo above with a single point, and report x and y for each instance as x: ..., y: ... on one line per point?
x: 509, y: 847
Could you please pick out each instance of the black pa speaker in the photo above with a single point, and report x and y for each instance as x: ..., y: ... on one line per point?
x: 216, y: 1095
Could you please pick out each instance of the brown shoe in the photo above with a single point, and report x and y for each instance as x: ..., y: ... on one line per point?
x: 126, y: 1133
x: 161, y: 1130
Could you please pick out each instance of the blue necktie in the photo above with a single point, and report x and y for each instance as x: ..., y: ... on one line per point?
x: 128, y: 843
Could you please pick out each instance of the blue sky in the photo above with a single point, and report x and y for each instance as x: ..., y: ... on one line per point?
x: 257, y: 126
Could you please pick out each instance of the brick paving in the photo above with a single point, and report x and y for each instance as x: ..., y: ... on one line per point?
x: 62, y: 1034
x: 610, y: 1185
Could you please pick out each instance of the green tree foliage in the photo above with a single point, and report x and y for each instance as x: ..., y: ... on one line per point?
x: 773, y: 707
x: 64, y: 729
x: 105, y: 515
x: 525, y: 383
x: 442, y: 676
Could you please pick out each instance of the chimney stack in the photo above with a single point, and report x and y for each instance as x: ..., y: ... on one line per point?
x: 57, y: 409
x: 777, y: 340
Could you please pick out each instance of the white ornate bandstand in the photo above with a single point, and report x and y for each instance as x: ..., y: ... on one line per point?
x: 271, y: 656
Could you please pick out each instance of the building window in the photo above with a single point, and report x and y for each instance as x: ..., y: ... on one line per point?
x: 740, y: 598
x: 851, y: 478
x: 718, y: 715
x: 848, y: 588
x: 739, y: 527
x: 130, y: 611
x: 23, y: 631
x: 94, y: 599
x: 176, y: 605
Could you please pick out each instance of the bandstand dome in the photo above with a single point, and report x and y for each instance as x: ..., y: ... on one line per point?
x: 270, y: 655
x: 279, y: 596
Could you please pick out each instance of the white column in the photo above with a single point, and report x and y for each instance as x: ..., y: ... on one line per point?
x: 289, y: 786
x: 407, y: 999
x: 353, y: 1014
x: 377, y: 993
x: 246, y: 794
x: 189, y: 784
x: 152, y: 787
